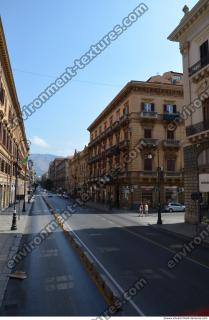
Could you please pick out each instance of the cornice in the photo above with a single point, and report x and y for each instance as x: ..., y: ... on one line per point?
x: 6, y: 66
x: 150, y: 88
x: 189, y: 19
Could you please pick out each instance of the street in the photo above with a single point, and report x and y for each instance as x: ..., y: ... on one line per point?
x: 57, y: 283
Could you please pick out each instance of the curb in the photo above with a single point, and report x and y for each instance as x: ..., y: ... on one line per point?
x: 103, y: 284
x: 177, y: 235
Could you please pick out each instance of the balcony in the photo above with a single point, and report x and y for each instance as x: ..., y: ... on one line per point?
x: 174, y: 174
x: 114, y: 150
x: 198, y: 66
x: 197, y: 128
x: 124, y: 119
x: 148, y: 173
x: 149, y: 143
x: 169, y: 143
x: 149, y: 115
x: 94, y: 159
x: 170, y: 116
x: 124, y: 145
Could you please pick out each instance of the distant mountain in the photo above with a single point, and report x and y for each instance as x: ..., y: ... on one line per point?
x: 41, y: 162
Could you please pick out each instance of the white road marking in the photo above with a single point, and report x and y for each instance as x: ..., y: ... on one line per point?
x: 124, y: 228
x: 122, y: 291
x: 167, y: 273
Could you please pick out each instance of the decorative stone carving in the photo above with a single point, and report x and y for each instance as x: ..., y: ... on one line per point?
x: 184, y: 47
x: 202, y: 87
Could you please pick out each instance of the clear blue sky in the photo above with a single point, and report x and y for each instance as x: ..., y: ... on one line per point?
x: 44, y: 37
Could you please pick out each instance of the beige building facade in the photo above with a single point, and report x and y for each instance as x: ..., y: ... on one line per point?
x: 193, y: 35
x: 62, y: 175
x: 79, y: 173
x: 133, y: 156
x: 52, y: 172
x: 13, y: 142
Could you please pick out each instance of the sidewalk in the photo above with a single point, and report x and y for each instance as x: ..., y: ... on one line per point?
x: 173, y: 223
x: 10, y: 240
x: 182, y: 230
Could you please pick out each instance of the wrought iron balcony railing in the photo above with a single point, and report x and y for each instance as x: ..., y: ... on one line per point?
x: 149, y: 115
x: 199, y: 65
x: 171, y: 143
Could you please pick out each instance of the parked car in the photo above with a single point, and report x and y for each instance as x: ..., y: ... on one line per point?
x: 174, y: 207
x: 65, y: 195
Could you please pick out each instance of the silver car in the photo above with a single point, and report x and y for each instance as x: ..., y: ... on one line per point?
x: 174, y: 207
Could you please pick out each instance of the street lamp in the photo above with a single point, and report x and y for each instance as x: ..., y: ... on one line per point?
x: 159, y: 219
x: 14, y: 217
x: 30, y: 168
x: 159, y: 171
x: 23, y: 208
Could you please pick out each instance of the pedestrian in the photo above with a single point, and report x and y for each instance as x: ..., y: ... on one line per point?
x: 141, y: 210
x: 146, y: 209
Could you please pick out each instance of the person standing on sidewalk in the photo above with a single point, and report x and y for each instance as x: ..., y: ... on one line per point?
x: 146, y: 209
x: 141, y: 210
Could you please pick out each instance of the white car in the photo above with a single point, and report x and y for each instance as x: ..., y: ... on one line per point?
x: 174, y: 207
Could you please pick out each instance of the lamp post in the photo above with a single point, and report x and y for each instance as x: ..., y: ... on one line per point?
x: 30, y: 167
x: 159, y: 219
x: 150, y: 156
x: 14, y: 217
x: 23, y: 208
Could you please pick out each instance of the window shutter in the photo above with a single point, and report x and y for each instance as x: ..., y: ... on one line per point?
x: 142, y: 106
x: 153, y: 107
x: 174, y: 108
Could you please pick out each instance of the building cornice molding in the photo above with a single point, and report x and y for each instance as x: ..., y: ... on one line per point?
x: 6, y: 67
x: 189, y: 19
x: 147, y: 88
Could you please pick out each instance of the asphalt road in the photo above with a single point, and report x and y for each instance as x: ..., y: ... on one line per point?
x: 128, y: 251
x: 56, y: 284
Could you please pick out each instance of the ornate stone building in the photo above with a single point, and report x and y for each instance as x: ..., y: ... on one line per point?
x: 193, y: 35
x: 79, y: 173
x: 132, y: 153
x: 52, y: 172
x: 13, y: 143
x: 62, y: 175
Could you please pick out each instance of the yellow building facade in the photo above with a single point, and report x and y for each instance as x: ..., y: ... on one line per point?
x: 13, y: 143
x: 130, y: 140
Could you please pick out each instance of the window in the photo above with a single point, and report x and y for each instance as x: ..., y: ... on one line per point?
x: 175, y: 79
x: 147, y: 133
x: 204, y: 54
x: 170, y: 135
x: 126, y: 134
x: 2, y: 165
x: 148, y: 107
x: 105, y: 125
x: 171, y: 164
x: 170, y: 108
x: 126, y: 110
x: 2, y: 93
x: 147, y: 164
x: 206, y: 111
x: 117, y: 137
x: 118, y: 115
x: 111, y: 120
